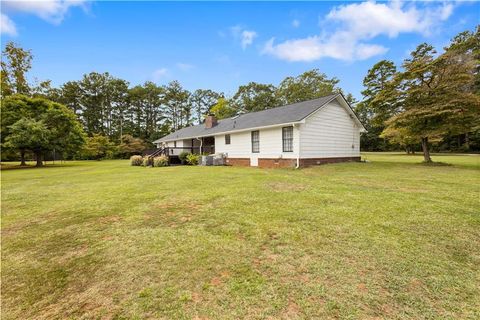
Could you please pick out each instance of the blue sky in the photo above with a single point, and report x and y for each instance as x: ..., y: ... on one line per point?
x: 221, y: 45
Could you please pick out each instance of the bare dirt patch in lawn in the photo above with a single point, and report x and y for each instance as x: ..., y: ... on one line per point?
x: 171, y: 214
x: 285, y: 187
x: 110, y: 219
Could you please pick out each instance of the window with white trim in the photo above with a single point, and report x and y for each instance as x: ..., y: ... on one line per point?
x: 255, y: 141
x: 287, y: 139
x: 227, y: 139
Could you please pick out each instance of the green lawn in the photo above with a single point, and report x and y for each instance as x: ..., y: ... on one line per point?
x: 389, y: 238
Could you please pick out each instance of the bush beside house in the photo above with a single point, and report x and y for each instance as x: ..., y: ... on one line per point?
x: 160, y: 161
x: 193, y: 159
x: 183, y: 157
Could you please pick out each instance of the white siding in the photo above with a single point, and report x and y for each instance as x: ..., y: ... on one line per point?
x: 270, y: 144
x: 330, y: 132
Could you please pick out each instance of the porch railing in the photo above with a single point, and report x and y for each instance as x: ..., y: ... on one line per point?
x: 169, y: 151
x: 196, y: 150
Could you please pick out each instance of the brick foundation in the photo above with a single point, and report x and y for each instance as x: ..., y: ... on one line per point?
x: 277, y: 163
x: 240, y: 162
x: 288, y: 163
x: 317, y: 161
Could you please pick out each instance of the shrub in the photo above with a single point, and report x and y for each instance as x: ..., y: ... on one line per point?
x: 98, y: 147
x: 146, y: 161
x: 136, y: 160
x: 192, y: 159
x: 183, y: 156
x: 160, y: 161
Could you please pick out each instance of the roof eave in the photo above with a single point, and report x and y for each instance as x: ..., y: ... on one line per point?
x: 233, y: 131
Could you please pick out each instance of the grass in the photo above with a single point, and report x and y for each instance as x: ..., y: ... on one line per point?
x: 390, y: 238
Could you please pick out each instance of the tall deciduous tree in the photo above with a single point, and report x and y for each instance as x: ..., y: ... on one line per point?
x: 437, y: 96
x: 255, y: 97
x: 464, y: 51
x: 223, y: 109
x: 65, y: 133
x: 309, y: 85
x: 16, y: 62
x: 28, y: 134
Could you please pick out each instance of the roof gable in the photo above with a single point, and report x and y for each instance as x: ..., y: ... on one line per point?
x: 344, y: 103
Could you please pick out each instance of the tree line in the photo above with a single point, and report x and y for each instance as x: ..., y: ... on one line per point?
x: 431, y: 98
x: 111, y: 107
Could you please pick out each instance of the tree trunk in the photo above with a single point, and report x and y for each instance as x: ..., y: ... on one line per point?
x: 38, y: 157
x: 426, y: 150
x: 22, y: 158
x: 467, y: 142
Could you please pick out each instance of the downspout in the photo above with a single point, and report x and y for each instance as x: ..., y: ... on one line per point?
x: 298, y: 152
x: 201, y: 144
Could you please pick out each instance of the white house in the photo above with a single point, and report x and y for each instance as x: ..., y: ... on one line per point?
x: 307, y: 133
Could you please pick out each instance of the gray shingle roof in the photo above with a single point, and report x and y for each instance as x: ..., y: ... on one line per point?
x: 286, y: 114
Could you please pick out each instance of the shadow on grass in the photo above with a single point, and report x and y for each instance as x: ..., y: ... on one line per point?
x: 4, y: 167
x: 435, y: 164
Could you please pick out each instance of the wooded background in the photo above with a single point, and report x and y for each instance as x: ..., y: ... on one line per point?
x: 431, y: 100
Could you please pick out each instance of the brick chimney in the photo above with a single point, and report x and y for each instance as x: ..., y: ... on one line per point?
x: 210, y: 121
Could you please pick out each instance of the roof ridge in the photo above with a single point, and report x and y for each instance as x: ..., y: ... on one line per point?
x: 288, y: 113
x: 282, y: 106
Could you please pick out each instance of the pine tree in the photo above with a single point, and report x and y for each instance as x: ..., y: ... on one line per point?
x: 378, y: 104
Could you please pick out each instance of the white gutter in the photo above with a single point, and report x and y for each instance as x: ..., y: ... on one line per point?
x: 201, y: 144
x: 239, y: 130
x: 298, y: 153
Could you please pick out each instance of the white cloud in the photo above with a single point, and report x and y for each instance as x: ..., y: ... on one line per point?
x: 355, y: 24
x: 159, y: 74
x: 314, y: 48
x: 247, y: 38
x: 369, y: 19
x: 185, y: 66
x: 295, y: 23
x: 7, y: 26
x: 53, y: 11
x: 364, y: 51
